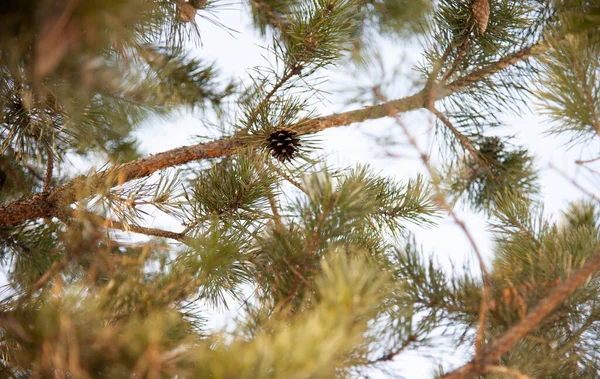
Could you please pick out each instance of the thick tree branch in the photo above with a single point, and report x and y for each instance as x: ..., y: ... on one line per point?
x: 501, y: 345
x: 46, y: 204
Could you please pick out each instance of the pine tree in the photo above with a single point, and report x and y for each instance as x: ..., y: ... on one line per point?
x: 320, y: 260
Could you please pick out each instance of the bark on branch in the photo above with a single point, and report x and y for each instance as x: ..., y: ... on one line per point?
x: 46, y: 204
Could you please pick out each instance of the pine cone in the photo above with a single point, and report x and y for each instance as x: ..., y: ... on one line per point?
x: 283, y: 144
x: 185, y: 12
x: 481, y: 14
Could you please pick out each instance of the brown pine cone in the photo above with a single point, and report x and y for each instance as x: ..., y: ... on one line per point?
x: 185, y: 12
x: 481, y: 14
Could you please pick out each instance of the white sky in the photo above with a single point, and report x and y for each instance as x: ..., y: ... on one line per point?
x: 348, y: 145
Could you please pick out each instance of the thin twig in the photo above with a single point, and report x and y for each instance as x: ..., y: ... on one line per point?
x: 391, y: 355
x: 432, y: 84
x: 574, y: 183
x: 486, y: 293
x: 113, y: 224
x: 49, y: 274
x: 297, y: 273
x: 459, y: 57
x: 49, y: 168
x: 584, y: 161
x: 276, y: 215
x: 292, y: 71
x: 315, y: 239
x: 461, y: 137
x: 288, y: 178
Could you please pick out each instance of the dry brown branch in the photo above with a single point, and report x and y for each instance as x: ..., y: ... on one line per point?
x: 46, y: 205
x: 501, y: 345
x: 49, y: 168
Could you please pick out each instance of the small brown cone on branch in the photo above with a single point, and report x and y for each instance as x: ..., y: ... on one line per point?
x: 481, y: 14
x: 185, y: 11
x: 283, y: 144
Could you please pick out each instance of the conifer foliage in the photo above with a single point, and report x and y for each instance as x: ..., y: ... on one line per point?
x: 318, y: 260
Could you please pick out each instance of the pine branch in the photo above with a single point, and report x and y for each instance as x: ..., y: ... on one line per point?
x: 509, y: 60
x: 8, y: 322
x: 501, y: 345
x: 46, y: 205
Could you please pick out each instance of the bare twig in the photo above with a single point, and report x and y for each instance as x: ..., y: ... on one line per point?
x: 391, y: 355
x: 486, y: 293
x: 49, y: 168
x: 584, y: 161
x: 574, y: 183
x: 483, y: 306
x: 113, y: 224
x: 462, y: 50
